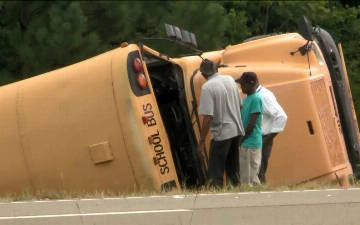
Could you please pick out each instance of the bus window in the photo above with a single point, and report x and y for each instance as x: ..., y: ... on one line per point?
x: 317, y: 54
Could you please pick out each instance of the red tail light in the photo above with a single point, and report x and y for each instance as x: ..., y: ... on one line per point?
x: 137, y: 65
x: 141, y: 81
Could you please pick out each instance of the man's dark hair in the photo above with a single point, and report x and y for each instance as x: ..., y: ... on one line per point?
x: 248, y: 78
x: 208, y: 67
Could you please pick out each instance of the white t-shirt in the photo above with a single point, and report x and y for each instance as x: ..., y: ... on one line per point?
x: 274, y: 117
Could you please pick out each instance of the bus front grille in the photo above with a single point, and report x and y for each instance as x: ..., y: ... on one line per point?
x: 327, y: 120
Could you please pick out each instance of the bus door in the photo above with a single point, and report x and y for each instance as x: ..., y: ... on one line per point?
x: 144, y: 133
x: 164, y: 95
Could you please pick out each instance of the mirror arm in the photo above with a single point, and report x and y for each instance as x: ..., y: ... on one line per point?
x: 303, y: 49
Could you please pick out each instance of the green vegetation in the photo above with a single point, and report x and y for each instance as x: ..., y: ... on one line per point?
x: 39, y: 36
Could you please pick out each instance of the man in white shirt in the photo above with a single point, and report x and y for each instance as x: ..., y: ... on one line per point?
x: 274, y: 121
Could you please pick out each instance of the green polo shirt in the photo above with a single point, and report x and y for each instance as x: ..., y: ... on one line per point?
x: 252, y: 104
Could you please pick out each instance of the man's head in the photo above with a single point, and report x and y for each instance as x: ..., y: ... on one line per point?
x: 207, y: 68
x: 248, y: 82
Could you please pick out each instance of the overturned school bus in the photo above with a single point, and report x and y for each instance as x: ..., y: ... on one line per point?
x: 127, y: 119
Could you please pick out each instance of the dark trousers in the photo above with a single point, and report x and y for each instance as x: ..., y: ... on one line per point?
x: 265, y: 155
x: 224, y: 156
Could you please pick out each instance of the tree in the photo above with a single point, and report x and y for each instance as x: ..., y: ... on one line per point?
x: 267, y: 17
x: 349, y: 3
x: 236, y: 30
x: 42, y: 36
x: 114, y: 22
x: 207, y: 20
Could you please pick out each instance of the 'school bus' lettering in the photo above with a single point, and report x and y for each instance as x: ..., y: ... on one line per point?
x: 158, y: 148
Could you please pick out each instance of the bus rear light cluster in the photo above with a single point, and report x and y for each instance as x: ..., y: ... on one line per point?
x: 138, y: 68
x: 136, y: 74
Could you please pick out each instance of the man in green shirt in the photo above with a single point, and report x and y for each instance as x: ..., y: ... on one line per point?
x: 251, y: 142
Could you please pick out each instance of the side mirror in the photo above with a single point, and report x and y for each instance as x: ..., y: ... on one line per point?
x: 187, y: 37
x: 173, y: 32
x: 305, y: 28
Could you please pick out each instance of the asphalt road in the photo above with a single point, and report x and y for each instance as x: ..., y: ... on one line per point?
x: 329, y: 207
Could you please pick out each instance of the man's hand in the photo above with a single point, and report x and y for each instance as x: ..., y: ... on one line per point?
x: 268, y: 138
x: 201, y: 148
x: 266, y: 141
x: 242, y: 138
x: 206, y: 124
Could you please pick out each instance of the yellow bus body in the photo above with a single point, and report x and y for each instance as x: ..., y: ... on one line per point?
x: 82, y: 128
x: 79, y: 128
x: 297, y: 155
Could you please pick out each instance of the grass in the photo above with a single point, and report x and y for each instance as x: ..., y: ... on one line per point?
x: 57, y: 195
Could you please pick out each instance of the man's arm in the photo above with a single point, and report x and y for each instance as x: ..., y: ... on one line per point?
x: 279, y: 125
x: 274, y: 110
x: 206, y: 124
x: 241, y: 101
x: 250, y: 126
x: 268, y: 138
x: 255, y: 110
x: 206, y: 110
